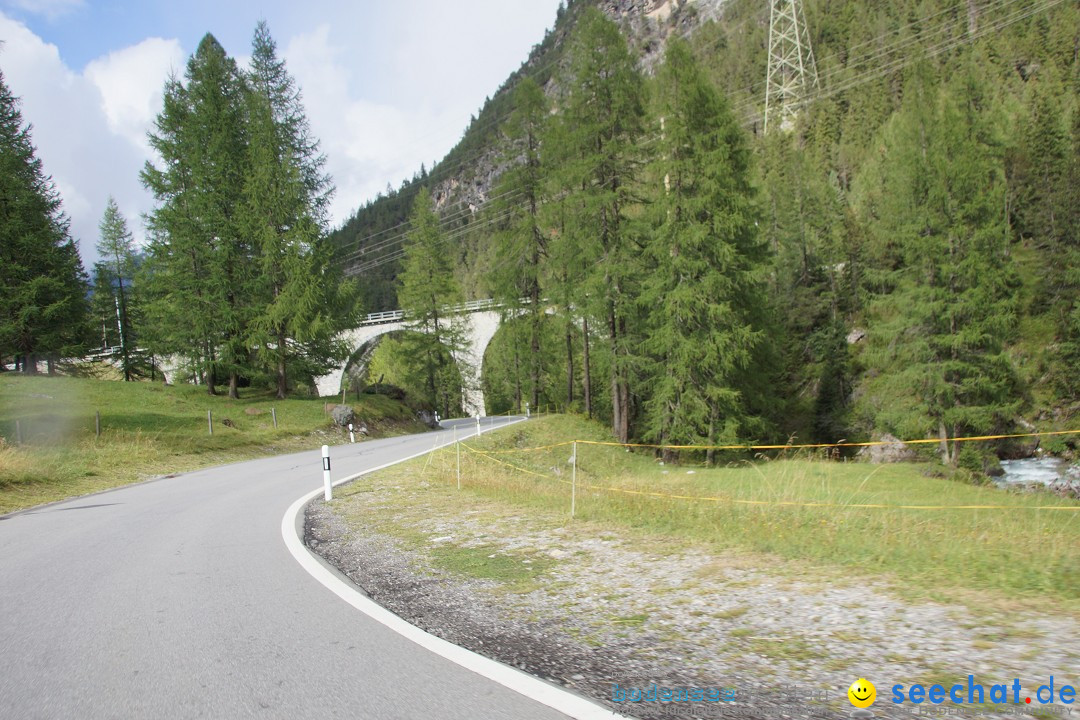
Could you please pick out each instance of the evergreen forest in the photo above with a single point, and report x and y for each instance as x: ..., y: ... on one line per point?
x: 901, y: 257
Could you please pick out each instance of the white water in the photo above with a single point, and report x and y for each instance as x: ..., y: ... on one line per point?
x: 1043, y: 470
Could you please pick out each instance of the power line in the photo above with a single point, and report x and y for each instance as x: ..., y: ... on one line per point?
x: 444, y: 221
x: 791, y: 73
x: 454, y: 235
x: 750, y: 114
x: 714, y: 12
x: 440, y: 169
x: 749, y: 117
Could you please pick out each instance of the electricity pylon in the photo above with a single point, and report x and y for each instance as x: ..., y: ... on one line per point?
x: 792, y: 71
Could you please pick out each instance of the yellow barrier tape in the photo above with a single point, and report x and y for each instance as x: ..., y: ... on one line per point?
x: 795, y: 446
x: 792, y: 503
x: 779, y: 503
x: 501, y: 462
x: 528, y: 449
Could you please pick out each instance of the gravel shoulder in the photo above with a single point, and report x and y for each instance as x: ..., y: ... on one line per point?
x: 590, y: 606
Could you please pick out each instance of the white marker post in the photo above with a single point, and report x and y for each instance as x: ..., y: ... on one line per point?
x: 326, y: 472
x: 352, y: 437
x: 478, y: 428
x: 573, y: 481
x: 527, y: 416
x: 457, y: 449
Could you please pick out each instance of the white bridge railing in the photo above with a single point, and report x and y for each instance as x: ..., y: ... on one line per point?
x: 390, y: 316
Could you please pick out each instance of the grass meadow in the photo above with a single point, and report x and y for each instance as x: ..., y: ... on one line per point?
x: 147, y: 430
x: 960, y: 541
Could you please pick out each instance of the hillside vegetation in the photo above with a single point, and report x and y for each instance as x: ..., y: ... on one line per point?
x: 149, y: 430
x: 903, y: 260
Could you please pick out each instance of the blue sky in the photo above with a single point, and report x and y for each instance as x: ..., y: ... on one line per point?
x: 387, y: 85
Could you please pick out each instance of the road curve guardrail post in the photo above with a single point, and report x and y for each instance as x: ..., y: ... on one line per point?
x: 327, y: 487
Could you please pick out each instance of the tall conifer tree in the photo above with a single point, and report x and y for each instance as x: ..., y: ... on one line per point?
x: 946, y: 309
x: 603, y: 122
x: 117, y: 250
x: 299, y: 304
x: 43, y: 307
x: 426, y: 285
x: 201, y: 266
x: 521, y: 247
x: 704, y: 289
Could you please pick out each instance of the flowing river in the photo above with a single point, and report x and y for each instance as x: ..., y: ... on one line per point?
x: 1044, y: 470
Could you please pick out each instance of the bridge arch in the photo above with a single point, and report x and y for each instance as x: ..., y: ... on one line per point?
x: 483, y: 323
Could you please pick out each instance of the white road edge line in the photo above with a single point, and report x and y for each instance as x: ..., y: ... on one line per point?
x: 520, y: 682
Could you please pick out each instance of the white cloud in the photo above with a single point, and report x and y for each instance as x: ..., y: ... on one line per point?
x: 51, y: 9
x: 367, y: 144
x: 381, y: 104
x: 86, y: 131
x: 131, y: 81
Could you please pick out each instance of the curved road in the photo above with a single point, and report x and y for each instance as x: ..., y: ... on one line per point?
x: 178, y: 598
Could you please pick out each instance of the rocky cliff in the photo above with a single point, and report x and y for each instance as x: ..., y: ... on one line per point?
x: 461, y: 184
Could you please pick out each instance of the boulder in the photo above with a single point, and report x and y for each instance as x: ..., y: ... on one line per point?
x: 1066, y: 487
x: 855, y: 336
x: 343, y: 415
x: 893, y: 451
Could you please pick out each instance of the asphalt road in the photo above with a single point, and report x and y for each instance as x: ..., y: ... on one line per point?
x: 177, y: 598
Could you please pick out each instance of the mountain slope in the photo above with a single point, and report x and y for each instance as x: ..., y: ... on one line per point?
x: 838, y: 250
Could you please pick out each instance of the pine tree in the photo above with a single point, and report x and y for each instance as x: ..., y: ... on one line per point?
x: 603, y: 123
x: 300, y: 306
x: 1067, y: 354
x: 1042, y: 204
x: 946, y: 309
x: 521, y: 248
x: 104, y: 308
x: 813, y: 284
x: 117, y: 250
x: 704, y: 289
x: 565, y: 276
x: 43, y: 287
x: 201, y: 272
x: 426, y: 285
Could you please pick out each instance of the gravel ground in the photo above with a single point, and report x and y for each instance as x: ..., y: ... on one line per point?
x: 611, y: 608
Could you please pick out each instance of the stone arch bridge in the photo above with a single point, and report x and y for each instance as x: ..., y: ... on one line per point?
x: 484, y: 318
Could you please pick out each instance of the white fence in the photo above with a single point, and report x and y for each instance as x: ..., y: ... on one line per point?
x: 391, y: 316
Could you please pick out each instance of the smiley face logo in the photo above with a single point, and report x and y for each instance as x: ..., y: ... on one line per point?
x: 862, y: 693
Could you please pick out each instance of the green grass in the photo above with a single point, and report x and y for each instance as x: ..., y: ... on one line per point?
x: 731, y: 613
x: 1017, y: 554
x: 515, y: 570
x: 149, y: 429
x: 635, y: 620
